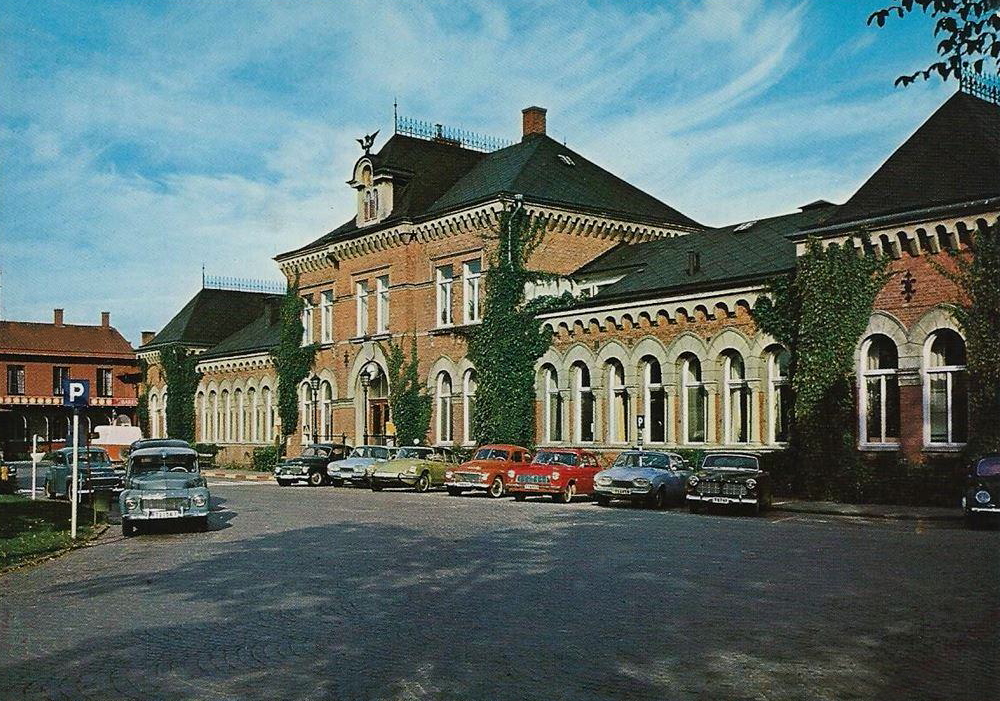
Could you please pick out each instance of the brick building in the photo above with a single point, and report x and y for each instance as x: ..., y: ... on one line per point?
x: 662, y: 327
x: 37, y: 357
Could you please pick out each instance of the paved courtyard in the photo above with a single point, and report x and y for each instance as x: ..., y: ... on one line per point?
x: 330, y: 593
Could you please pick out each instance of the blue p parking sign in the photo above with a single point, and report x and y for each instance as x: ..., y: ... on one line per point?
x: 76, y: 393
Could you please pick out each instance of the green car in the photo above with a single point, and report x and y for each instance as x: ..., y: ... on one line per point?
x: 417, y: 466
x: 95, y: 472
x: 163, y: 484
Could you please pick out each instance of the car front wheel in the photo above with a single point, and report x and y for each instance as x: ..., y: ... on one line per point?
x: 201, y: 524
x: 128, y: 528
x: 496, y: 488
x: 659, y: 499
x: 694, y: 507
x: 316, y: 479
x: 603, y: 500
x: 375, y: 486
x: 566, y: 495
x: 454, y: 491
x: 423, y: 483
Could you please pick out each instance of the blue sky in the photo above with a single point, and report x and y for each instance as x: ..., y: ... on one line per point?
x: 140, y: 139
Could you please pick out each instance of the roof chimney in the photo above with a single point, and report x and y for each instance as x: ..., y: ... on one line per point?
x: 57, y: 317
x: 147, y: 336
x: 532, y: 121
x: 105, y: 319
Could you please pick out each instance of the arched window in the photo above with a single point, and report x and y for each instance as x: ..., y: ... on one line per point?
x: 694, y: 401
x: 226, y: 423
x: 213, y: 416
x: 202, y: 407
x: 878, y: 396
x: 267, y: 422
x: 469, y: 408
x: 253, y: 434
x: 239, y: 425
x: 326, y: 410
x: 583, y: 404
x: 163, y: 415
x: 552, y: 405
x: 306, y: 415
x: 154, y: 416
x: 444, y: 413
x: 737, y: 406
x: 618, y: 419
x: 654, y: 400
x: 779, y: 397
x: 946, y: 391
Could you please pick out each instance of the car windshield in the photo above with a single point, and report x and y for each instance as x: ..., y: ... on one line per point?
x: 730, y: 462
x: 164, y: 463
x: 637, y: 459
x: 359, y: 452
x: 88, y: 456
x: 410, y: 452
x: 545, y: 457
x: 491, y: 454
x: 314, y: 451
x: 989, y: 467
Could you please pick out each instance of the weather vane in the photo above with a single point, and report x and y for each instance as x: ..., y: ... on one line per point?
x: 367, y: 141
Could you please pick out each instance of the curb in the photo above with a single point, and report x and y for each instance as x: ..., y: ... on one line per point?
x: 97, y: 533
x: 891, y: 515
x: 262, y: 477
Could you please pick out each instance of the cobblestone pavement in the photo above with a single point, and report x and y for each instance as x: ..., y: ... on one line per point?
x: 303, y: 593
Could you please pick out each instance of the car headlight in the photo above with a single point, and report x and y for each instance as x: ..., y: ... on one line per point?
x: 511, y: 473
x: 603, y: 481
x: 448, y: 474
x: 131, y: 503
x: 555, y: 474
x: 751, y: 484
x: 693, y: 480
x: 983, y: 497
x: 199, y: 500
x: 412, y: 470
x: 641, y: 482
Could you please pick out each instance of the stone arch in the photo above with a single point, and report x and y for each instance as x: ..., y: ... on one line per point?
x: 940, y: 317
x: 886, y: 324
x: 686, y: 342
x: 733, y: 339
x: 442, y: 364
x: 372, y: 354
x: 612, y: 350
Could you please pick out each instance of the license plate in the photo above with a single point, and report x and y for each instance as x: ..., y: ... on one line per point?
x: 720, y: 500
x: 464, y: 484
x: 160, y: 513
x: 620, y: 490
x: 531, y: 486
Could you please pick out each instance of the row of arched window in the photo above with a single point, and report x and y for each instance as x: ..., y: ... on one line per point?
x: 237, y: 416
x: 444, y: 399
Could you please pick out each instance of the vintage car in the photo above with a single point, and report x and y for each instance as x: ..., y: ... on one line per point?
x: 95, y: 472
x: 729, y: 479
x: 489, y: 470
x: 982, y: 490
x: 418, y: 466
x: 359, y: 464
x: 310, y: 465
x: 649, y: 477
x: 562, y: 473
x: 163, y: 484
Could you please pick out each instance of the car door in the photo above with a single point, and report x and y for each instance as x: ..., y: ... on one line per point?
x: 588, y: 468
x: 678, y: 475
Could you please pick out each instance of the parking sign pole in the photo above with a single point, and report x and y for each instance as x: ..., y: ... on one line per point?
x: 34, y: 463
x: 76, y: 463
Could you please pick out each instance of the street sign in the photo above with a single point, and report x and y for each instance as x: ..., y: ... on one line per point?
x: 640, y: 424
x: 76, y: 393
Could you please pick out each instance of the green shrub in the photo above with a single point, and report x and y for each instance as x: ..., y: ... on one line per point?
x: 264, y: 458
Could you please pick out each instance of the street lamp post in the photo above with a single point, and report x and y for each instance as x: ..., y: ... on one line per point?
x: 365, y: 381
x: 314, y: 386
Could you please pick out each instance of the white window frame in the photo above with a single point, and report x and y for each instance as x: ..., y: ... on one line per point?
x: 729, y: 386
x: 326, y: 316
x: 949, y: 371
x: 471, y: 290
x: 361, y: 294
x: 445, y: 284
x: 552, y: 405
x: 686, y: 385
x: 882, y: 375
x: 307, y: 321
x: 775, y: 381
x: 468, y: 401
x: 647, y: 401
x: 618, y: 398
x: 579, y: 390
x: 444, y: 410
x: 382, y: 304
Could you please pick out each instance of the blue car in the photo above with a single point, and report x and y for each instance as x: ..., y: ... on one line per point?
x: 651, y: 477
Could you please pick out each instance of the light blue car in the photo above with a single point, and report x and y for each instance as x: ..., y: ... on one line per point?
x: 358, y: 466
x: 163, y: 484
x: 651, y: 477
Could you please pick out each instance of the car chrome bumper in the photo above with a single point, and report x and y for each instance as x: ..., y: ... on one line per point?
x: 401, y: 478
x: 622, y: 492
x: 985, y: 509
x: 468, y: 485
x: 721, y: 500
x: 164, y: 514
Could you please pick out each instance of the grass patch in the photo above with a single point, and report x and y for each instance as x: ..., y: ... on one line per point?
x: 30, y: 529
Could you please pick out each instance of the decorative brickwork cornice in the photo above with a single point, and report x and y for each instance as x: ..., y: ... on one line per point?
x: 234, y: 363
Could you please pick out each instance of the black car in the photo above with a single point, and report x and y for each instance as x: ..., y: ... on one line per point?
x: 982, y: 490
x: 310, y: 465
x: 729, y: 479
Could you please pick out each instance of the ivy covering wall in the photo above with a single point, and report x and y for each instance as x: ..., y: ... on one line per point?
x: 408, y: 401
x: 142, y: 405
x: 292, y: 361
x: 819, y: 313
x: 182, y: 379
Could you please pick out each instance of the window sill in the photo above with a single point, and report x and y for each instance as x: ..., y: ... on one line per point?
x: 944, y: 448
x: 453, y: 329
x: 879, y: 447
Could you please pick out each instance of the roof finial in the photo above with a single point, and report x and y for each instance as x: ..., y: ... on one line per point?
x: 368, y: 141
x: 395, y: 116
x: 203, y: 275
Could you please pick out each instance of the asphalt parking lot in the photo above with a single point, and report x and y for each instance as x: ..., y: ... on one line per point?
x: 301, y: 593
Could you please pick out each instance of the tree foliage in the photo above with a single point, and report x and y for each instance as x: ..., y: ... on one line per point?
x: 978, y: 277
x: 969, y: 35
x: 292, y: 361
x: 819, y: 313
x: 408, y: 401
x: 182, y: 378
x: 508, y: 342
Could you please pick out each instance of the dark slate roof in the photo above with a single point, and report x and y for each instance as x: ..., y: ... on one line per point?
x: 754, y: 253
x: 260, y: 335
x: 211, y: 316
x: 952, y: 158
x: 439, y: 177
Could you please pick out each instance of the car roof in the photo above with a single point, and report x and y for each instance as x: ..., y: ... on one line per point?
x: 328, y: 445
x: 163, y: 450
x: 159, y: 442
x: 732, y: 454
x: 503, y: 446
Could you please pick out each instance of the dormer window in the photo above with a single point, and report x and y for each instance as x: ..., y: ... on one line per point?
x: 370, y: 204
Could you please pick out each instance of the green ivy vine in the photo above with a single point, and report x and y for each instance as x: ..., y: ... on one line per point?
x: 292, y: 361
x: 819, y: 312
x: 182, y: 383
x: 977, y: 276
x: 408, y: 401
x: 142, y: 405
x: 506, y: 345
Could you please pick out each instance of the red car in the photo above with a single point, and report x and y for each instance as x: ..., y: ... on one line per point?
x: 489, y: 470
x: 561, y: 472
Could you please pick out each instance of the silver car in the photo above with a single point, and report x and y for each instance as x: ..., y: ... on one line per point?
x: 163, y: 484
x: 651, y: 477
x: 358, y: 466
